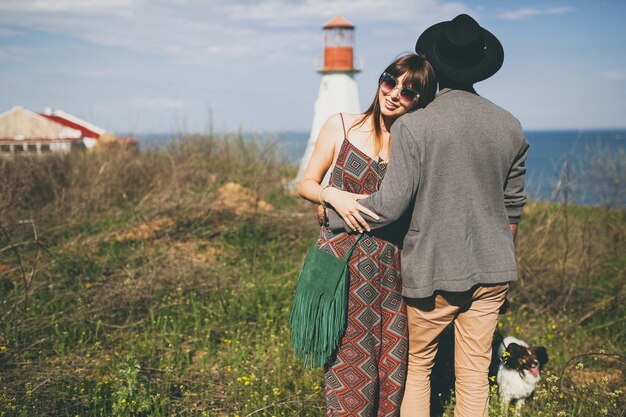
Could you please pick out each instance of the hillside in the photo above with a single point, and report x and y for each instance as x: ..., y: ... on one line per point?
x: 160, y: 284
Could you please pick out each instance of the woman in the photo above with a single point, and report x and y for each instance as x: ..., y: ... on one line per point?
x: 367, y: 376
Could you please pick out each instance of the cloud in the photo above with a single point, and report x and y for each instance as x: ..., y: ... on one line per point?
x: 93, y: 7
x: 161, y: 57
x: 526, y: 12
x: 284, y: 13
x: 615, y: 75
x: 194, y: 30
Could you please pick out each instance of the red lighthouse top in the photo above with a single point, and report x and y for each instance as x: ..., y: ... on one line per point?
x: 339, y: 46
x: 338, y: 22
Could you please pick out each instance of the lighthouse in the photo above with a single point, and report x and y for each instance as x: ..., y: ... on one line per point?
x: 338, y: 90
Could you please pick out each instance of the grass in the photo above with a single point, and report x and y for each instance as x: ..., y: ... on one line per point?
x: 160, y: 283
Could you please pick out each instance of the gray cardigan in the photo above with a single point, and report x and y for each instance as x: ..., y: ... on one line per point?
x: 458, y: 165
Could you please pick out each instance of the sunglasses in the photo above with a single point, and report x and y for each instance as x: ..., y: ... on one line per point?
x: 388, y: 83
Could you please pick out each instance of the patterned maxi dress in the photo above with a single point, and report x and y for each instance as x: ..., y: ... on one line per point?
x: 367, y: 376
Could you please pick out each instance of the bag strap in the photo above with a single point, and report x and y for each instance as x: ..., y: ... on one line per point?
x: 349, y: 253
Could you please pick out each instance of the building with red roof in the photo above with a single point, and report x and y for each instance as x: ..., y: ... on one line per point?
x: 25, y: 132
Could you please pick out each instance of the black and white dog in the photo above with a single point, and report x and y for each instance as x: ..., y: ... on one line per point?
x: 519, y: 371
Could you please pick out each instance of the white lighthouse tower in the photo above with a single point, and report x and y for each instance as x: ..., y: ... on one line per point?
x: 338, y: 90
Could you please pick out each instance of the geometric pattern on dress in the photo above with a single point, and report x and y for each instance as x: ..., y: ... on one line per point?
x: 352, y: 377
x: 333, y: 381
x: 368, y: 343
x: 352, y: 353
x: 392, y: 303
x: 386, y: 255
x: 368, y: 245
x: 352, y: 402
x: 389, y: 279
x: 368, y: 295
x: 370, y: 180
x: 356, y: 165
x: 368, y: 367
x: 368, y: 318
x: 368, y: 268
x: 398, y: 351
x: 366, y: 377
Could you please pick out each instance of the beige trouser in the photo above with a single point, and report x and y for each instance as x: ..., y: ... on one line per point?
x: 475, y: 315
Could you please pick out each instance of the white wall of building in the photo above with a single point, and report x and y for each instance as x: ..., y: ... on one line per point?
x: 338, y: 93
x: 90, y: 142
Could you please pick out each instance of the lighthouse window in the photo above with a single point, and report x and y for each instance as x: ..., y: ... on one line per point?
x: 32, y: 148
x: 339, y: 37
x: 5, y: 148
x: 45, y: 148
x: 18, y: 148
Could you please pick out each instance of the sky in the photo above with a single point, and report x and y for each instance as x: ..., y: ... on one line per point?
x: 175, y: 66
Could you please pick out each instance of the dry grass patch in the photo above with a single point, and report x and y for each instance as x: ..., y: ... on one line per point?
x: 241, y: 200
x: 144, y: 231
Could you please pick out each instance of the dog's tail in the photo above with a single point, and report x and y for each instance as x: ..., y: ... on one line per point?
x: 501, y: 348
x: 496, y: 359
x: 500, y: 344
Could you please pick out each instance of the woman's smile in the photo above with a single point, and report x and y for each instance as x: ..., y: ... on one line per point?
x: 390, y: 105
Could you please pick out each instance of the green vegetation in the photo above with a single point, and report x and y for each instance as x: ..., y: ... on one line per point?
x: 160, y: 283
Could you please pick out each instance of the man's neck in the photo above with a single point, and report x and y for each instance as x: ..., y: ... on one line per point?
x: 456, y: 86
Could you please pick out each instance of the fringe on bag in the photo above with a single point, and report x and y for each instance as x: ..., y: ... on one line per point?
x: 318, y: 322
x: 320, y: 308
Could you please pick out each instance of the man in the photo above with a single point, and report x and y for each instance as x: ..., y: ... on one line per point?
x: 458, y: 166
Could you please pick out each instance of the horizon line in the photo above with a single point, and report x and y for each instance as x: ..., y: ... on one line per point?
x: 265, y: 132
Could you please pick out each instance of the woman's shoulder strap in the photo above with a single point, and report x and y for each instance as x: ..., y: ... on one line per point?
x: 344, y: 126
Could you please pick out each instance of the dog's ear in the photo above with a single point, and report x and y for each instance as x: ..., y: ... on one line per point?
x: 542, y: 355
x: 515, y: 350
x: 513, y: 353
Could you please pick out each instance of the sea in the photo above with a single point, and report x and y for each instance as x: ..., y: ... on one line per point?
x: 583, y: 167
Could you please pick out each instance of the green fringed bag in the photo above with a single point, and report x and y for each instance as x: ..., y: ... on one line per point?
x: 319, y: 311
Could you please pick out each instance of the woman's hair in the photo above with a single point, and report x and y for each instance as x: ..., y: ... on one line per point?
x: 420, y: 76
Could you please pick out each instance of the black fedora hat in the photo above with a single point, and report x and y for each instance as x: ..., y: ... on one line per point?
x: 461, y: 50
